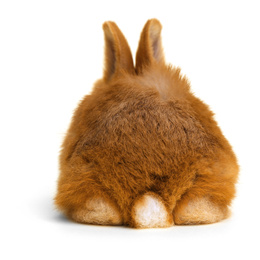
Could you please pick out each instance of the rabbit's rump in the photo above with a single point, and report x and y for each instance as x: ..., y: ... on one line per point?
x: 153, y: 148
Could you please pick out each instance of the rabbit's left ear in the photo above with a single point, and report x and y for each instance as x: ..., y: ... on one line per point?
x: 118, y: 56
x: 150, y: 46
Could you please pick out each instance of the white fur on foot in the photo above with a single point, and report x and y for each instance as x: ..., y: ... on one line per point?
x: 150, y: 212
x: 201, y: 211
x: 98, y: 211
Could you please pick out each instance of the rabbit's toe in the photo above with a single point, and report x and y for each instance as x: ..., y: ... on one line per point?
x: 98, y: 211
x: 200, y: 211
x: 150, y: 212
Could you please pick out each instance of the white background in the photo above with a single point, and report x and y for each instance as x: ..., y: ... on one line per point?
x: 51, y: 53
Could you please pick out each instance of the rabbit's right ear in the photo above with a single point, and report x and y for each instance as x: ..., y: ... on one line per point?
x: 118, y: 57
x: 150, y: 47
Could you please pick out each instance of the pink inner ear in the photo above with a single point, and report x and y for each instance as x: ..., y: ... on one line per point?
x: 155, y: 37
x: 156, y: 49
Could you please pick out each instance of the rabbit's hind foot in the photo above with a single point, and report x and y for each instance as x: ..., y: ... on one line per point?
x: 149, y: 211
x: 200, y: 211
x: 98, y: 211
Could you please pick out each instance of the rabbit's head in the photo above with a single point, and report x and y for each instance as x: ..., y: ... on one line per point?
x: 150, y: 73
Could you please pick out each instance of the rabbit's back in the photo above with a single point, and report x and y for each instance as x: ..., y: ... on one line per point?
x: 143, y: 135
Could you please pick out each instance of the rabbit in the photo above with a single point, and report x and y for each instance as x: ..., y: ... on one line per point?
x: 142, y: 150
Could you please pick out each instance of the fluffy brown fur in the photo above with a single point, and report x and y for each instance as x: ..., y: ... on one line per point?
x: 141, y: 131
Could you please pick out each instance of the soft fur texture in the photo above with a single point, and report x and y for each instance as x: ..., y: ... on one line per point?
x: 141, y: 145
x: 150, y: 212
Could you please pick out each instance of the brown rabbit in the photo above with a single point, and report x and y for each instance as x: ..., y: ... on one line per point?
x: 141, y: 149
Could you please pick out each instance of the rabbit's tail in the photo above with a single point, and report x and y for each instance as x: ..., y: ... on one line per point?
x: 150, y: 211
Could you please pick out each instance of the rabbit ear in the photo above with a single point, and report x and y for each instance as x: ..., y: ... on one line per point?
x: 150, y: 47
x: 118, y: 57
